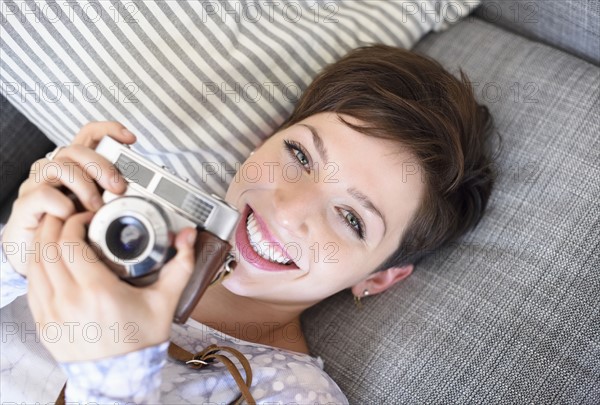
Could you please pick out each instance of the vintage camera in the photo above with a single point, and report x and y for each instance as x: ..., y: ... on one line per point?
x: 133, y: 233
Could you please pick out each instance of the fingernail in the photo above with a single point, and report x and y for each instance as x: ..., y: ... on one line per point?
x: 191, y: 238
x: 127, y: 133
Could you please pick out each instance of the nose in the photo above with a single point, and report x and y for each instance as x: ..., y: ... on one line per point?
x: 294, y: 204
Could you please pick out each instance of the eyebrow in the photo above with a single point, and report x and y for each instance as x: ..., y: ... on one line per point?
x: 362, y: 198
x: 318, y: 142
x: 365, y: 202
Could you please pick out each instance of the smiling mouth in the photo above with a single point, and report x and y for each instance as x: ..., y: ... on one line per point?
x: 259, y: 247
x: 270, y: 251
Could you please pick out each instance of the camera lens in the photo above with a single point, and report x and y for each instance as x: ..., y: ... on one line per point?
x: 127, y: 238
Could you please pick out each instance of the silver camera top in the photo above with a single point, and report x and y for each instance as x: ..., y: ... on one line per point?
x: 209, y: 212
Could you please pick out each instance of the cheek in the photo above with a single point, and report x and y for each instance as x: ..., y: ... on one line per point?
x: 357, y: 263
x: 343, y: 263
x: 252, y: 174
x: 233, y: 192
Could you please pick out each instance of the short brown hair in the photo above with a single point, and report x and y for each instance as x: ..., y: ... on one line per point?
x: 411, y: 99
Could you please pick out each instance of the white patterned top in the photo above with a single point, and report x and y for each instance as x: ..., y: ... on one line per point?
x: 150, y: 376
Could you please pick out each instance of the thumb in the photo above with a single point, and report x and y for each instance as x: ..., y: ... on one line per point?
x: 175, y: 275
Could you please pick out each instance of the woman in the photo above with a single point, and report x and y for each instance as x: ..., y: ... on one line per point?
x: 383, y: 160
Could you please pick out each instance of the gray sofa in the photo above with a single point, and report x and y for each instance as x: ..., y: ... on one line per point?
x: 510, y: 313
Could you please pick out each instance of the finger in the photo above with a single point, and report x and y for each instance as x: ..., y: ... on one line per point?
x: 175, y: 275
x: 39, y: 171
x: 39, y: 284
x: 96, y: 168
x: 48, y: 172
x: 81, y: 166
x: 86, y: 268
x: 68, y: 175
x: 30, y: 211
x: 91, y: 134
x: 55, y: 254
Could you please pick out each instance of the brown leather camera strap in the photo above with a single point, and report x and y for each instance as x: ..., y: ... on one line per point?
x: 208, y: 356
x: 211, y: 253
x: 61, y: 397
x: 204, y: 359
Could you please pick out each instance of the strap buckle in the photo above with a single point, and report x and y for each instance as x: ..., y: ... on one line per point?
x: 203, y: 358
x: 196, y: 362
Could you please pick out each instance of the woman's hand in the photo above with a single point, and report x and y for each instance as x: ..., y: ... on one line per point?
x: 83, y: 310
x: 79, y: 168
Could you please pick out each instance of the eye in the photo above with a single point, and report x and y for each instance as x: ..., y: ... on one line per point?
x: 297, y: 152
x: 353, y: 222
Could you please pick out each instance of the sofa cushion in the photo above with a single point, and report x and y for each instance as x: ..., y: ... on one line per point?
x: 510, y: 314
x: 200, y: 83
x: 571, y: 25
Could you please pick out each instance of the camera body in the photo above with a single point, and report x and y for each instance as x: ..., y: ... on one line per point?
x: 133, y: 233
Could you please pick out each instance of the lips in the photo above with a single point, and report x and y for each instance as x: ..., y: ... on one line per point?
x: 247, y: 251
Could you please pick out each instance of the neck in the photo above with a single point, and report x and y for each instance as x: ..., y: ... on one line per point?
x: 251, y: 320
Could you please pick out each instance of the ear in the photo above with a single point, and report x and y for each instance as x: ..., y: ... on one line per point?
x: 382, y: 280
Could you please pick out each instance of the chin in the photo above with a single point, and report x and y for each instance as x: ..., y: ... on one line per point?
x: 240, y: 282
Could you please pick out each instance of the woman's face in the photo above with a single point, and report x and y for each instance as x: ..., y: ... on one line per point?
x: 322, y: 206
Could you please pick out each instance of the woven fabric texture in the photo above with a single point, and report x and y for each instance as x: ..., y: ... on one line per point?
x: 571, y: 25
x: 510, y: 314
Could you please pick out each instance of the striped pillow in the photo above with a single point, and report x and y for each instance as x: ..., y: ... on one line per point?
x: 200, y: 82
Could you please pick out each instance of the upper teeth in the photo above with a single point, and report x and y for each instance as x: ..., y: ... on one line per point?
x: 265, y: 249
